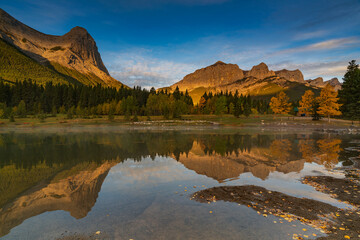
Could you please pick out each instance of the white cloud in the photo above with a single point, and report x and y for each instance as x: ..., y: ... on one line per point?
x: 310, y: 35
x: 324, y: 45
x: 136, y: 68
x: 316, y: 69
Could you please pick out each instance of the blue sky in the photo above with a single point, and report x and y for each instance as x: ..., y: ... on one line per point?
x: 158, y: 42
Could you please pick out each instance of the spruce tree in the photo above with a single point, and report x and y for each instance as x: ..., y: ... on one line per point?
x: 350, y: 93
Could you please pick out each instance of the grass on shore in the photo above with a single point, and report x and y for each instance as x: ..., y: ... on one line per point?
x: 226, y: 120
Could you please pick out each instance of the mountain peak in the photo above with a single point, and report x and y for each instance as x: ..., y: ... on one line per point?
x: 219, y: 63
x: 211, y: 76
x: 260, y: 71
x: 76, y: 49
x: 77, y: 31
x: 295, y: 75
x: 262, y: 64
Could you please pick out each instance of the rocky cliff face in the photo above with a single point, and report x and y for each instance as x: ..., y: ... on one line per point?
x: 260, y: 80
x: 217, y: 74
x: 260, y: 71
x: 320, y: 83
x: 223, y: 76
x: 76, y: 49
x: 295, y: 75
x: 317, y: 82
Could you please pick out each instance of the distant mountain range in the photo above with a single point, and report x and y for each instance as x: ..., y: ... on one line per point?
x: 259, y: 81
x: 71, y: 58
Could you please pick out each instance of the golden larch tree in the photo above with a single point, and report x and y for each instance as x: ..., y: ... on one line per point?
x: 202, y: 102
x: 328, y: 102
x: 307, y: 149
x: 280, y: 104
x: 280, y: 149
x: 306, y: 103
x: 329, y: 152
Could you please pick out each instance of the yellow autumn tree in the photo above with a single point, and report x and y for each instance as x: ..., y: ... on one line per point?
x: 306, y: 102
x: 329, y: 152
x: 202, y: 103
x: 280, y: 104
x: 280, y: 149
x: 307, y: 149
x: 328, y: 102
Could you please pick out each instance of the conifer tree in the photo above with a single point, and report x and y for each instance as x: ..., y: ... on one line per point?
x: 350, y: 92
x: 247, y: 108
x: 220, y: 105
x: 328, y: 102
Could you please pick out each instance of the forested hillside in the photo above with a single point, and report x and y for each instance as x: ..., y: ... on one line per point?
x: 15, y: 66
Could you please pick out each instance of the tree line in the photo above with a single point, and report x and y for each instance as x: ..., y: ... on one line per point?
x: 228, y: 103
x: 345, y: 102
x: 29, y: 98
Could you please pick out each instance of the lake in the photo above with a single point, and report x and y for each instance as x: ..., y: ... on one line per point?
x: 174, y: 184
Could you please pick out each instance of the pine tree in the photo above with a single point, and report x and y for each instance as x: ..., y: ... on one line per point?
x: 350, y: 93
x: 238, y: 108
x: 176, y: 93
x: 315, y: 108
x: 247, y: 109
x: 220, y: 105
x: 21, y: 109
x: 328, y: 102
x: 12, y: 117
x: 231, y: 108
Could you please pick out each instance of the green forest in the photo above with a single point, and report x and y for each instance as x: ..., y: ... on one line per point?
x: 29, y: 98
x: 23, y: 98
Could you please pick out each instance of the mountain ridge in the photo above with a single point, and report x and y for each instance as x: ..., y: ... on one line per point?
x: 75, y: 50
x: 258, y: 81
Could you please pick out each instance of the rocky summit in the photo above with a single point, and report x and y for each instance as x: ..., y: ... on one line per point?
x: 320, y: 83
x: 260, y: 71
x: 295, y: 75
x: 212, y: 76
x: 260, y: 80
x: 75, y: 50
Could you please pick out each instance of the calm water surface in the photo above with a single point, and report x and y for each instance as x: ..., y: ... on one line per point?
x: 138, y: 184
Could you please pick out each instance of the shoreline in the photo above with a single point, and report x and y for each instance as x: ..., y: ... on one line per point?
x: 191, y: 122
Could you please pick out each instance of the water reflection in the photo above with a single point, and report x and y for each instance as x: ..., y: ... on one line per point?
x: 46, y: 172
x: 74, y: 191
x: 260, y: 161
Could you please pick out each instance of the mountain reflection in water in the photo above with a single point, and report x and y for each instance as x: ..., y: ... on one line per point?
x: 42, y: 172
